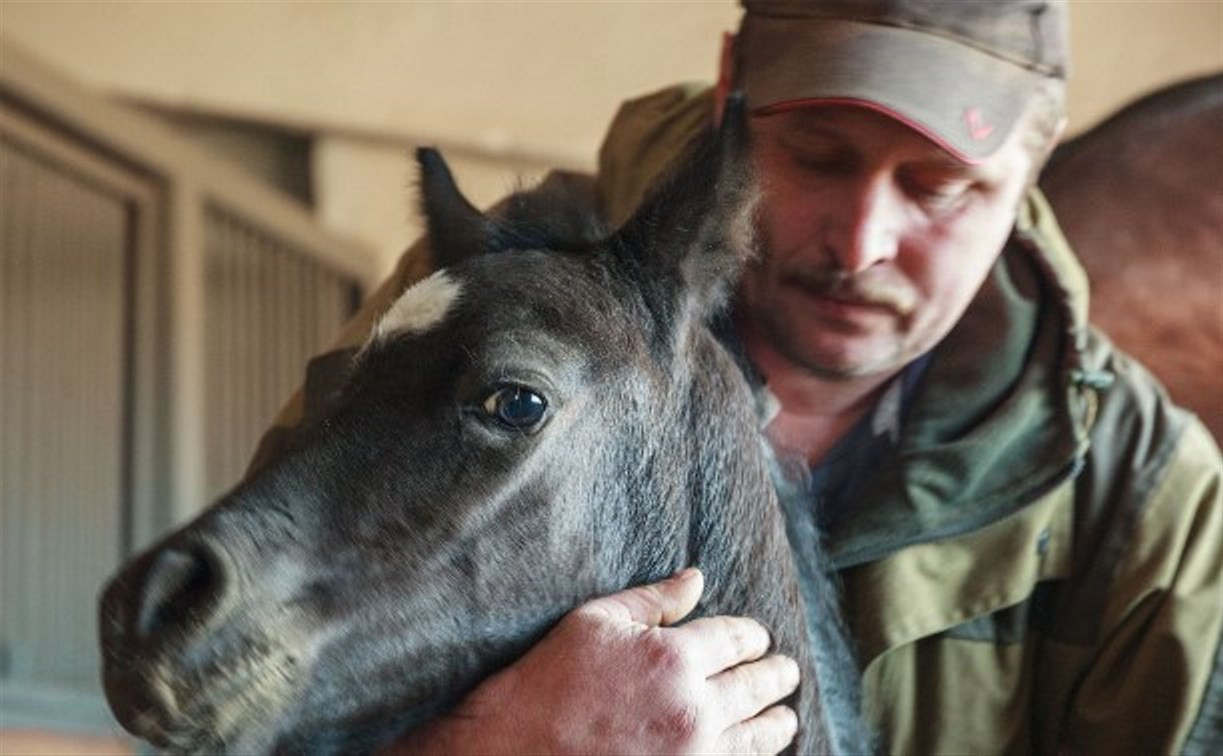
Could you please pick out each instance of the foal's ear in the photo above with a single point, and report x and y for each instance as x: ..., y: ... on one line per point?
x: 457, y: 229
x: 546, y: 217
x: 694, y: 230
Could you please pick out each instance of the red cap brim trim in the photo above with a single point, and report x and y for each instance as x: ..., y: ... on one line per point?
x: 925, y: 131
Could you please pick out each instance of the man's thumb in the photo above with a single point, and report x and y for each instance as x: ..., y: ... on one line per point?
x: 662, y: 603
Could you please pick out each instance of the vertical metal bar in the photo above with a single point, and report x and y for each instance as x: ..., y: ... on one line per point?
x: 141, y: 345
x: 186, y: 382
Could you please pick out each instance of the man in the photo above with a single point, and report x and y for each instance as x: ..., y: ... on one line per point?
x: 1027, y: 532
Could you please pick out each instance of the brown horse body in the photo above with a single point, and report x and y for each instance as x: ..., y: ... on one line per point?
x: 1140, y: 197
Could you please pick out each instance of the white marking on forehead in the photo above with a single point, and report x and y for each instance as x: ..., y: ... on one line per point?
x: 421, y: 307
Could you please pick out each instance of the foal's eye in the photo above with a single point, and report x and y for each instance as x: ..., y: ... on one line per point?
x: 516, y: 407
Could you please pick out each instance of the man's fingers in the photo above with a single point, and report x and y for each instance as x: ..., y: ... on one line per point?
x: 770, y: 732
x: 746, y: 690
x: 662, y: 603
x: 719, y: 643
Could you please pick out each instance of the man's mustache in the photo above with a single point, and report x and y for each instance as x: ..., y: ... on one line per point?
x: 869, y: 288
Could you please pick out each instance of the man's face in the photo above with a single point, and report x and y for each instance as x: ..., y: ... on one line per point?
x: 874, y: 239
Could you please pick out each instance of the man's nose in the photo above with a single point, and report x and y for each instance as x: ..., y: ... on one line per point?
x: 865, y: 229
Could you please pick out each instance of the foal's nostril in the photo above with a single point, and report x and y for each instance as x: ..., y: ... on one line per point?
x: 180, y: 588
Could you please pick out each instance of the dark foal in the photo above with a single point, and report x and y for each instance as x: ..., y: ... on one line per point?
x: 546, y: 421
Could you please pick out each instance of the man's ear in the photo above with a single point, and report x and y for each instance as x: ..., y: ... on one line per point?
x: 1041, y: 160
x: 726, y: 77
x: 1056, y: 138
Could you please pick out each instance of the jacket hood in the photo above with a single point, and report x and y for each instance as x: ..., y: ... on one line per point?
x: 1003, y: 412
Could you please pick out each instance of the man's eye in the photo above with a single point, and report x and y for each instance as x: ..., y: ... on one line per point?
x: 516, y: 407
x: 939, y: 193
x: 822, y: 164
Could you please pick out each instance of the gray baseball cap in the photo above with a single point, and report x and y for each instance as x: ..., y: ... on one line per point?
x: 959, y: 71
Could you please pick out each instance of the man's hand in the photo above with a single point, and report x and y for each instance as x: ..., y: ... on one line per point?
x: 612, y: 677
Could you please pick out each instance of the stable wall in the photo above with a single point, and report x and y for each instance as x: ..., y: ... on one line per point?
x: 508, y: 87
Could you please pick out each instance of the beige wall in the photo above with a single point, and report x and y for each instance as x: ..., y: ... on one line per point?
x: 538, y: 77
x: 1123, y: 48
x: 516, y: 84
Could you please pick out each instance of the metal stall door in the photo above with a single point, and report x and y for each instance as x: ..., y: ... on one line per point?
x: 156, y: 309
x: 71, y: 228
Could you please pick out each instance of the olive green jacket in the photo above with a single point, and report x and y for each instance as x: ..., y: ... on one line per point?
x: 1039, y: 566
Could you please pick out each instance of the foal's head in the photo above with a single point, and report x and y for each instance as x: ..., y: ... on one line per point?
x: 521, y: 432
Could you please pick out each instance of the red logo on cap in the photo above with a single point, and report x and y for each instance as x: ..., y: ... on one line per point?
x: 978, y: 128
